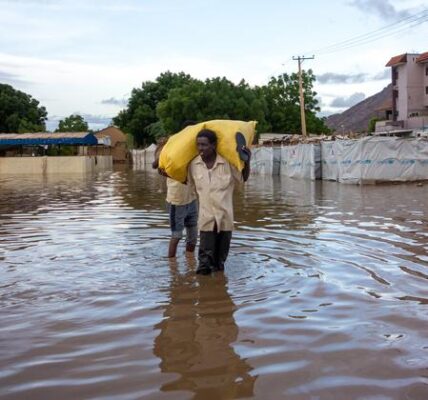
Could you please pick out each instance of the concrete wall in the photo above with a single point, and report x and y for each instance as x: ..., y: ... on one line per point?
x: 402, y: 92
x: 54, y: 165
x: 411, y: 88
x: 417, y: 123
x: 119, y: 151
x: 425, y: 74
x: 415, y: 89
x: 385, y: 126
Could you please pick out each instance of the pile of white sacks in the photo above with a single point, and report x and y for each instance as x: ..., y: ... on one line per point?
x: 359, y: 161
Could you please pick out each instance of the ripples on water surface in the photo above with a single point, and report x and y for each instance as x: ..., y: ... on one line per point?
x: 324, y: 296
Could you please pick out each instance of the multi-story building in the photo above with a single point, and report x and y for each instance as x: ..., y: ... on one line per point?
x: 409, y: 74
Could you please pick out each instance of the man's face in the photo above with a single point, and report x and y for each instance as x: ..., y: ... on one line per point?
x: 205, y: 148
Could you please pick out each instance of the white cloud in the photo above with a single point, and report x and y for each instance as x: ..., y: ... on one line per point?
x: 382, y: 8
x: 11, y: 78
x: 95, y: 122
x: 345, y: 78
x: 115, y: 102
x: 71, y: 54
x: 64, y: 87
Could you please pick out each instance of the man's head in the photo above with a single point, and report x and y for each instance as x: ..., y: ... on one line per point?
x: 206, y: 142
x: 161, y: 142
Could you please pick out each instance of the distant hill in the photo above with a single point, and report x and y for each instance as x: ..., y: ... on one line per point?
x: 356, y: 118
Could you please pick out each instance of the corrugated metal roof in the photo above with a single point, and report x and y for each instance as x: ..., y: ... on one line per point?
x: 41, y: 139
x: 402, y: 58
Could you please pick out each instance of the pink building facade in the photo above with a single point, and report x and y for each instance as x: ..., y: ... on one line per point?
x: 409, y: 74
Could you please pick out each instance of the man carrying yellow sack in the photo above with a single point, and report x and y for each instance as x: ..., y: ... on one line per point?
x: 214, y: 180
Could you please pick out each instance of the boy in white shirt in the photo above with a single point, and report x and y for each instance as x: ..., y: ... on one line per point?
x: 182, y: 207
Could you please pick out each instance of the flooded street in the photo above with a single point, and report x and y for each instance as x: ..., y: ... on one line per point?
x: 325, y: 293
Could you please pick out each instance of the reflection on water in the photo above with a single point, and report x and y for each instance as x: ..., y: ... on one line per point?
x: 324, y: 294
x: 196, y: 337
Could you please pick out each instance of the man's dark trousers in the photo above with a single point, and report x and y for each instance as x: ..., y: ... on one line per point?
x: 213, y: 250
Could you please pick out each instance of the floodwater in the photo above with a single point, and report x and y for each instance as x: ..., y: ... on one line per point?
x: 325, y: 293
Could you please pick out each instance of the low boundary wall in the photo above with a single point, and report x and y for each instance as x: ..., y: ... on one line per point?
x: 54, y: 165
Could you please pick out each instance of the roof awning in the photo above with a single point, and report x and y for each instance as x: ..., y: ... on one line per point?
x: 401, y: 59
x: 42, y: 139
x: 423, y: 58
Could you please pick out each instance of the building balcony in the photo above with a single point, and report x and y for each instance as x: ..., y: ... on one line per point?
x: 386, y: 126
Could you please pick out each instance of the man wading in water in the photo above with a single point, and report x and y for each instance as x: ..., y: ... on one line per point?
x: 182, y: 209
x: 214, y: 180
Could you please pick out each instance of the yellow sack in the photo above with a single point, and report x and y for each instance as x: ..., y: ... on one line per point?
x: 181, y: 148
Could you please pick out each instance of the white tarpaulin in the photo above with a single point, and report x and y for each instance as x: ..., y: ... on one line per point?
x: 317, y: 160
x: 330, y: 163
x: 262, y: 160
x: 138, y: 158
x: 276, y: 160
x: 150, y: 154
x: 142, y: 159
x: 301, y: 161
x: 105, y: 140
x: 374, y: 159
x: 332, y: 158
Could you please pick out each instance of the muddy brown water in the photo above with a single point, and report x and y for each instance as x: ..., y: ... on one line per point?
x: 325, y: 293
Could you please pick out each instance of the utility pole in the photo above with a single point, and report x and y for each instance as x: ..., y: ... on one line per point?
x: 302, y: 99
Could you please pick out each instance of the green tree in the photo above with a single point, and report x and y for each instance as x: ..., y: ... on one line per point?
x: 161, y: 107
x: 139, y: 118
x: 73, y: 123
x: 19, y: 112
x: 372, y: 124
x: 282, y: 97
x: 216, y: 98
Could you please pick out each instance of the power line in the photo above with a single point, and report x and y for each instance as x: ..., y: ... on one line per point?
x: 380, y: 30
x: 373, y: 39
x: 373, y: 34
x: 385, y: 31
x: 388, y: 30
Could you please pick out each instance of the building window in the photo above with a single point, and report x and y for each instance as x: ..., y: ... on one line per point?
x: 426, y: 71
x: 426, y: 89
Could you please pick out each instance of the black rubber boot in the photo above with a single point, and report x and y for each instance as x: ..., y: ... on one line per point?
x: 206, y: 254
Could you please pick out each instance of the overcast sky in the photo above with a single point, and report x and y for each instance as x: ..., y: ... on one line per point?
x: 85, y: 56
